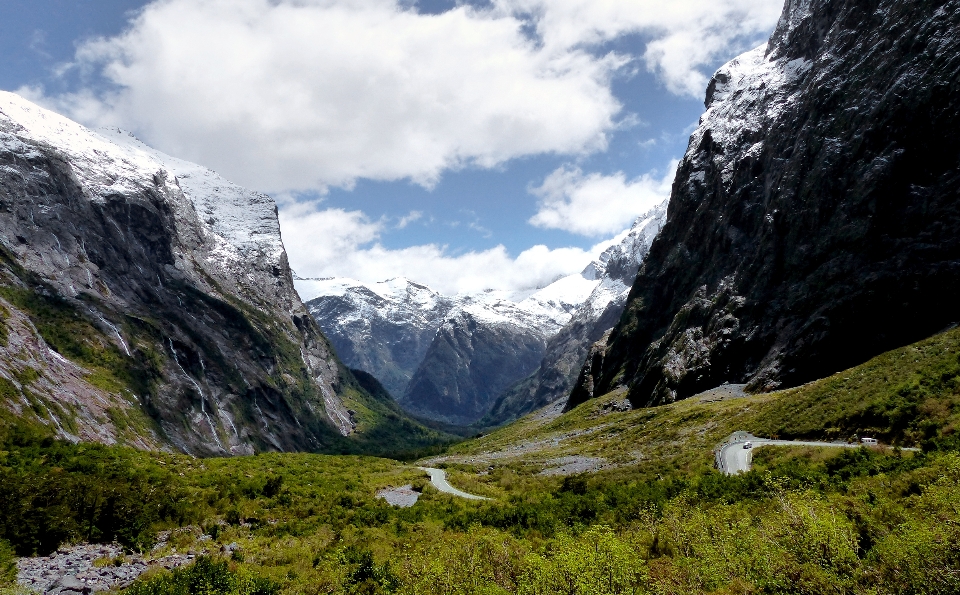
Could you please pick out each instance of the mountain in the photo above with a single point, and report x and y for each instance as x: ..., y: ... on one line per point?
x: 556, y: 375
x: 815, y: 218
x: 443, y: 357
x: 148, y: 301
x: 459, y: 359
x: 483, y: 346
x: 382, y: 328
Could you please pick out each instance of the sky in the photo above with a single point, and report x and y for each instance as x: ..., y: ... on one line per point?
x: 466, y: 145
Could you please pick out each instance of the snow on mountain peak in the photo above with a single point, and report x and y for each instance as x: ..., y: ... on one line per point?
x: 545, y: 309
x: 111, y: 161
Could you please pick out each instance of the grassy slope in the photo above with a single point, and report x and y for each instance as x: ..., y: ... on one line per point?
x: 657, y: 518
x: 907, y: 397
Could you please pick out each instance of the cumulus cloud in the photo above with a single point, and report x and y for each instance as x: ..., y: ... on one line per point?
x: 595, y: 204
x: 339, y: 243
x: 306, y: 94
x: 684, y: 36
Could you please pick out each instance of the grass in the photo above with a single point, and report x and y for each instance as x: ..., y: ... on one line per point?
x: 907, y: 397
x: 655, y: 518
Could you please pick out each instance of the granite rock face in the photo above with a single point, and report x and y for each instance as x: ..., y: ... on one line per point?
x: 148, y: 301
x: 815, y: 218
x: 442, y: 357
x: 469, y: 362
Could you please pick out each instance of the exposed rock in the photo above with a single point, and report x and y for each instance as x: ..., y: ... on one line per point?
x: 815, y: 218
x: 384, y: 330
x: 149, y: 301
x: 444, y: 358
x: 572, y: 465
x: 468, y: 364
x: 492, y: 356
x: 585, y: 387
x: 89, y: 568
x: 402, y: 497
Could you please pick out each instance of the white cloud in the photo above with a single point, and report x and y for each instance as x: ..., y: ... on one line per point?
x: 597, y: 205
x: 685, y: 36
x: 338, y: 243
x: 409, y: 218
x: 306, y: 94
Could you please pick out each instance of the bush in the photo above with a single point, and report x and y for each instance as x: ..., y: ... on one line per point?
x: 52, y: 492
x: 206, y: 576
x: 8, y: 564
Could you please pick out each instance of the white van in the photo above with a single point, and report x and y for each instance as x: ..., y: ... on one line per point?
x: 868, y: 441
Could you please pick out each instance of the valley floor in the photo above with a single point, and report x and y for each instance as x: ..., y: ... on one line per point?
x: 597, y: 500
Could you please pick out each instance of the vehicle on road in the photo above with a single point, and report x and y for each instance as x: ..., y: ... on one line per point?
x: 748, y: 444
x: 868, y: 441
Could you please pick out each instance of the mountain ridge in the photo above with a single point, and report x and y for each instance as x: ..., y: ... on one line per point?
x: 813, y: 221
x: 478, y: 358
x: 149, y: 301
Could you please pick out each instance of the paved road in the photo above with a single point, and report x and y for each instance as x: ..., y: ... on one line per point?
x: 733, y: 458
x: 438, y: 477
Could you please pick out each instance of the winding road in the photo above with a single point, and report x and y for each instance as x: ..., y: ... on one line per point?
x: 438, y: 477
x: 733, y: 458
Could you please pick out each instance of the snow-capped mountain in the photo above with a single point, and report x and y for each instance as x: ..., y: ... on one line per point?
x: 612, y: 274
x: 381, y: 328
x: 151, y: 299
x: 814, y: 220
x: 451, y: 358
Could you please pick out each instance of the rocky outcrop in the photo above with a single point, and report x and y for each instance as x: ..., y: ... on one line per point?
x: 815, y: 218
x: 470, y: 361
x: 443, y: 358
x: 148, y: 301
x: 585, y: 388
x: 87, y: 568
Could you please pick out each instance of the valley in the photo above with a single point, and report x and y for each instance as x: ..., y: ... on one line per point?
x: 182, y: 414
x: 486, y: 359
x: 647, y: 518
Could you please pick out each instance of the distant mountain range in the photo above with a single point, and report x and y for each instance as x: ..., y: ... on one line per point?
x: 482, y: 358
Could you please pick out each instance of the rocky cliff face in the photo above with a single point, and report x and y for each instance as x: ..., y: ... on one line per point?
x: 815, y: 218
x: 146, y: 300
x: 443, y: 358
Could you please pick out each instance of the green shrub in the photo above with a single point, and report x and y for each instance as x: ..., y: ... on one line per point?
x: 8, y: 564
x: 206, y: 576
x: 53, y: 492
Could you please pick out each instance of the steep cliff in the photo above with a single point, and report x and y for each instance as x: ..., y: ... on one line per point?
x: 815, y: 218
x: 148, y: 301
x: 442, y: 357
x: 384, y: 329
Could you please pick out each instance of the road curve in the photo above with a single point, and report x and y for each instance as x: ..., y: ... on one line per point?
x: 438, y: 477
x: 733, y: 458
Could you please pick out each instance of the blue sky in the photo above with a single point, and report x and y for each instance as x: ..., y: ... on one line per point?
x: 465, y: 146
